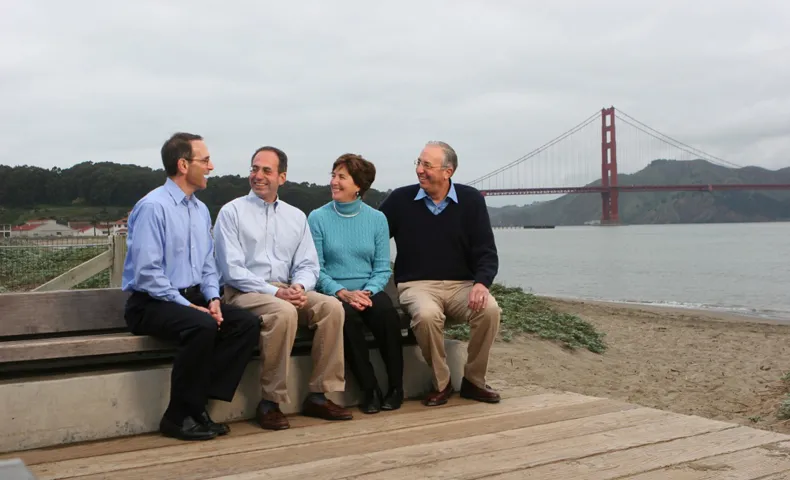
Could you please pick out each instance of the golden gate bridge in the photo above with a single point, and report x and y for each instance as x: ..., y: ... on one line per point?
x: 560, y: 165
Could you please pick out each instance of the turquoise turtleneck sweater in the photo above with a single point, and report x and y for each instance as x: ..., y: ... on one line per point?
x: 354, y: 252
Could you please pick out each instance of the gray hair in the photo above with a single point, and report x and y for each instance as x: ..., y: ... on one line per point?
x: 450, y: 157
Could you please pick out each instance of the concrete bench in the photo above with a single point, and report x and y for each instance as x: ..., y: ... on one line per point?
x: 70, y: 370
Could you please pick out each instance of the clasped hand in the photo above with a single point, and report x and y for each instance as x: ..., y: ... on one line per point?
x: 213, y: 310
x: 358, y: 299
x: 295, y: 295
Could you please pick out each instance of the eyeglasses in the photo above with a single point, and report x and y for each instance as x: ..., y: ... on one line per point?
x: 427, y: 165
x: 204, y: 161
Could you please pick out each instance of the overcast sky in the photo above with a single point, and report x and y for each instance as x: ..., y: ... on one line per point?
x: 111, y: 80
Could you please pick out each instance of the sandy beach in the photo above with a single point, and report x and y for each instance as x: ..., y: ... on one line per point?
x: 715, y: 365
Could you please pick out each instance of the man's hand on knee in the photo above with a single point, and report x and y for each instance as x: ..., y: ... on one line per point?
x: 478, y: 297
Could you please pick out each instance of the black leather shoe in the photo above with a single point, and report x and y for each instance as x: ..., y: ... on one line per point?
x: 393, y: 400
x: 371, y: 402
x: 188, y: 430
x: 219, y: 428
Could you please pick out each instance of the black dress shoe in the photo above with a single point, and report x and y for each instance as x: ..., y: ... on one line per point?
x: 371, y: 402
x: 188, y: 430
x: 219, y: 428
x: 393, y: 400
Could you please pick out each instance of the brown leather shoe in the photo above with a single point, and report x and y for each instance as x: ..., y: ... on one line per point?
x: 472, y: 391
x: 328, y: 410
x: 439, y: 398
x: 271, y: 419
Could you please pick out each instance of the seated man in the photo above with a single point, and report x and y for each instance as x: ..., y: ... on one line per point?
x: 446, y: 261
x: 171, y: 272
x: 269, y: 265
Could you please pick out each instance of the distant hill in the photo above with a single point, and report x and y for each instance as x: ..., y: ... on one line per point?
x: 667, y: 207
x: 104, y: 191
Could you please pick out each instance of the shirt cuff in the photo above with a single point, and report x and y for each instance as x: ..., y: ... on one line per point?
x: 210, y: 292
x: 270, y: 289
x: 182, y: 301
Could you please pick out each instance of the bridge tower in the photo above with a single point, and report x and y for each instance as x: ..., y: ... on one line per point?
x: 610, y: 213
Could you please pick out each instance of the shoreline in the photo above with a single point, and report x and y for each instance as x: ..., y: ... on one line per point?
x: 712, y: 312
x: 719, y: 365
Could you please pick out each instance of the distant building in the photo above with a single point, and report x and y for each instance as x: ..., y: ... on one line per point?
x: 42, y: 228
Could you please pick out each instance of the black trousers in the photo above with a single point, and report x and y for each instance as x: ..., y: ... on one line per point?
x: 210, y: 360
x: 383, y: 322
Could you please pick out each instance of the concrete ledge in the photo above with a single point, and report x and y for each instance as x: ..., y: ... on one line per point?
x: 63, y: 409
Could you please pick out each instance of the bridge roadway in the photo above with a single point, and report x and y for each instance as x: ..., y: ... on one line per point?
x: 635, y: 188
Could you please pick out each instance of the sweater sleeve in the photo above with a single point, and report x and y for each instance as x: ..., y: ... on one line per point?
x: 325, y: 284
x: 381, y: 260
x: 484, y: 251
x: 388, y: 209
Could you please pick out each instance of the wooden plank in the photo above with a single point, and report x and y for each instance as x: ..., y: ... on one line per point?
x: 614, y: 464
x: 66, y: 311
x: 156, y: 440
x: 420, y: 446
x: 463, y: 458
x: 744, y: 465
x: 368, y: 444
x: 68, y: 347
x: 78, y: 274
x: 331, y: 431
x: 118, y: 248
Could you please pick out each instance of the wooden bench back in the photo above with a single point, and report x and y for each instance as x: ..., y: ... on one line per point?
x: 63, y: 311
x: 73, y: 311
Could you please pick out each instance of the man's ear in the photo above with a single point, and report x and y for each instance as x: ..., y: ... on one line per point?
x: 281, y: 177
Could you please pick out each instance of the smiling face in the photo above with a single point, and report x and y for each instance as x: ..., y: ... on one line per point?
x: 343, y: 187
x: 197, y: 169
x: 265, y: 177
x: 432, y: 175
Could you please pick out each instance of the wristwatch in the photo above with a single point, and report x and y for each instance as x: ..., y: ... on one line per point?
x: 215, y: 298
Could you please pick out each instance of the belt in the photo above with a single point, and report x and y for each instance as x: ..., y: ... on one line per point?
x: 189, y: 290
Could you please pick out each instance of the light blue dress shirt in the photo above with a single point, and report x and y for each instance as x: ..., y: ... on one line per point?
x: 169, y: 246
x: 436, y: 209
x: 259, y: 243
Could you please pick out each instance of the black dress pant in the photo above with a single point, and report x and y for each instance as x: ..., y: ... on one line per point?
x: 384, y: 323
x: 210, y: 359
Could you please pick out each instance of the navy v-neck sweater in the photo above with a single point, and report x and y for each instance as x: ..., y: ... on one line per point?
x: 457, y: 244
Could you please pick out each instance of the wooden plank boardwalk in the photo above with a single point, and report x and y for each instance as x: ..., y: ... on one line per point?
x: 541, y: 436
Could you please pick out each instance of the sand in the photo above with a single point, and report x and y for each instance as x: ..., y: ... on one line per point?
x: 715, y: 365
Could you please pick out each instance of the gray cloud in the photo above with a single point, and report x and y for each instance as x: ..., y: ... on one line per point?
x: 91, y: 80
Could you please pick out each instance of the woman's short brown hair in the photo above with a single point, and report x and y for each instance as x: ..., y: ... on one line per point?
x: 362, y: 171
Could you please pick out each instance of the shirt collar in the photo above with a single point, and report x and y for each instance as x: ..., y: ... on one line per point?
x: 450, y: 194
x: 262, y: 202
x: 175, y: 192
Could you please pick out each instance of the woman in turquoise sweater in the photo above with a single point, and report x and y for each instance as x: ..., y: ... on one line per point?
x: 353, y: 244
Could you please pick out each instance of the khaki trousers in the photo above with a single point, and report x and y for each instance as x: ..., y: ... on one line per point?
x: 430, y: 303
x: 279, y: 319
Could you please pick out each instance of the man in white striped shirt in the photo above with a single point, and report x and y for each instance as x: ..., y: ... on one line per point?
x: 268, y: 263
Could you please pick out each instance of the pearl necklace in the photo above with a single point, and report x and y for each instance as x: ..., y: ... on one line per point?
x: 346, y: 215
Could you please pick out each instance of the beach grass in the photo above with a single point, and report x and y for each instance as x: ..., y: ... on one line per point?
x: 526, y: 314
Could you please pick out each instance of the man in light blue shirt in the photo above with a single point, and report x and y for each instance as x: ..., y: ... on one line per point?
x: 172, y: 276
x: 269, y: 265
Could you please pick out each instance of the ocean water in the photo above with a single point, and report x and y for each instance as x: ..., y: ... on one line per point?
x: 738, y: 268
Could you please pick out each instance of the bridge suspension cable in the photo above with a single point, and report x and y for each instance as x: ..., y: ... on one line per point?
x: 592, y: 118
x: 648, y: 130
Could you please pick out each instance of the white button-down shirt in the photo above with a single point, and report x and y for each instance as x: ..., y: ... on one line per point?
x: 258, y: 243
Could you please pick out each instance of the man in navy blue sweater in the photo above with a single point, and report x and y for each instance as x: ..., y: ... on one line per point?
x: 446, y: 262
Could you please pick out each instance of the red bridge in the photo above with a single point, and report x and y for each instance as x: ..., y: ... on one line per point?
x: 567, y: 158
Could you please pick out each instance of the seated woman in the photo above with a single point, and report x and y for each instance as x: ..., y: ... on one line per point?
x: 353, y: 244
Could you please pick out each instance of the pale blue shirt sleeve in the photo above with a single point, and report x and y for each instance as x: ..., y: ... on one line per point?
x: 325, y: 284
x: 209, y: 284
x: 381, y: 260
x: 305, y: 267
x: 230, y: 256
x: 146, y: 255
